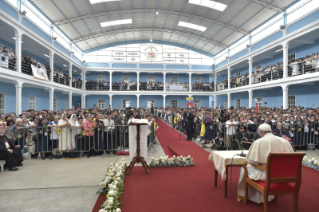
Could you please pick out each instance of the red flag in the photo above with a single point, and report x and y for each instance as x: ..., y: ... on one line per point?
x: 256, y: 109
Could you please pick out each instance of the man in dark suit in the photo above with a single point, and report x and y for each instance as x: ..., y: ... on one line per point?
x: 189, y: 125
x: 279, y: 131
x: 9, y: 152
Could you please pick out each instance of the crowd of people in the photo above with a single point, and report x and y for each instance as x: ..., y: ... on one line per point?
x: 235, y: 128
x: 92, y: 85
x: 151, y: 86
x: 206, y: 86
x: 73, y: 132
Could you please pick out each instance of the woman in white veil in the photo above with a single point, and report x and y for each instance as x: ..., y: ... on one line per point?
x: 73, y: 122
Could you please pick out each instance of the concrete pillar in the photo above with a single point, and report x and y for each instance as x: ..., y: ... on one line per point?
x: 137, y: 101
x: 285, y: 97
x: 285, y: 61
x: 51, y: 98
x: 70, y: 100
x: 164, y: 80
x: 164, y: 97
x: 215, y: 101
x: 190, y: 82
x: 18, y: 52
x: 111, y: 81
x: 70, y: 74
x: 83, y: 101
x: 18, y: 99
x: 229, y: 99
x: 229, y: 73
x: 83, y: 80
x: 250, y: 69
x: 215, y: 81
x: 110, y: 96
x: 51, y: 66
x: 250, y: 93
x: 138, y: 81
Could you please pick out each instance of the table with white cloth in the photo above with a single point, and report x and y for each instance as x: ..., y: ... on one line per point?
x: 222, y: 160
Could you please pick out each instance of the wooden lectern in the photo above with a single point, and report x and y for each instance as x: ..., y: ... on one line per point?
x: 138, y: 158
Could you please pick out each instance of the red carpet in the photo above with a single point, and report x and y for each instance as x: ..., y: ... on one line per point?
x: 190, y: 189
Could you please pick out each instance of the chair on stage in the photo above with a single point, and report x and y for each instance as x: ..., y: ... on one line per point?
x: 283, y: 177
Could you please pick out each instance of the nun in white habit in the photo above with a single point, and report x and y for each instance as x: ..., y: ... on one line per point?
x: 65, y: 133
x: 73, y: 122
x: 257, y: 155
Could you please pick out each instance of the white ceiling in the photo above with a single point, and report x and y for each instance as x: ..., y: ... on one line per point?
x: 80, y: 21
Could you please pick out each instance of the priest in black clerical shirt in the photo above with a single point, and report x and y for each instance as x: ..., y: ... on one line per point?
x: 9, y: 152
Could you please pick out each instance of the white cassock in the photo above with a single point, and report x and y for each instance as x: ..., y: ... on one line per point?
x: 258, y: 154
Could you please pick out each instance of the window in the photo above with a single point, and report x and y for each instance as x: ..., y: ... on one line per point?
x: 291, y: 101
x: 126, y: 103
x: 150, y: 103
x: 197, y: 80
x: 173, y: 79
x: 259, y: 102
x: 101, y: 104
x: 174, y: 103
x: 197, y: 103
x: 66, y: 104
x: 100, y: 78
x: 258, y: 68
x: 226, y: 103
x: 237, y: 103
x: 150, y: 79
x: 213, y: 104
x: 292, y: 56
x: 55, y: 104
x: 32, y: 102
x: 126, y: 78
x: 2, y: 103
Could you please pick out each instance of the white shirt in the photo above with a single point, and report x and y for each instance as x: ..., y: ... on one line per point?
x: 106, y: 125
x: 231, y: 130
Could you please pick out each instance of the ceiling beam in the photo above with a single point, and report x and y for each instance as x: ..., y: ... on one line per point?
x: 268, y: 5
x: 149, y: 10
x: 167, y: 30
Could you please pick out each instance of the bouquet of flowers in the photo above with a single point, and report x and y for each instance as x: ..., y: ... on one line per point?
x: 312, y: 163
x: 112, y: 186
x: 171, y: 162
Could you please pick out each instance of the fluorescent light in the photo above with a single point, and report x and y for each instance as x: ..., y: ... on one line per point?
x: 156, y: 12
x: 278, y: 50
x: 192, y: 26
x: 117, y: 22
x: 46, y: 55
x: 151, y: 40
x: 100, y: 1
x: 65, y: 65
x: 210, y: 4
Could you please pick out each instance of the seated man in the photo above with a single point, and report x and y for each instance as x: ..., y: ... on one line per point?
x: 8, y: 152
x: 244, y: 139
x: 279, y: 131
x: 257, y: 155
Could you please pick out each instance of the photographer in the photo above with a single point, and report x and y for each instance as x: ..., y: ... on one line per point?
x: 189, y: 124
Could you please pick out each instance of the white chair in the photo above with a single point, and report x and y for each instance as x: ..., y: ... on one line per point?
x: 2, y: 162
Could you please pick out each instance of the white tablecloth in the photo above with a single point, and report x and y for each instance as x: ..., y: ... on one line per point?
x: 223, y: 158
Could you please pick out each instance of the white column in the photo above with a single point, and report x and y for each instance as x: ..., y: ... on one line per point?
x: 164, y: 97
x: 70, y: 100
x: 190, y: 82
x: 111, y: 81
x: 138, y: 81
x: 83, y: 101
x: 70, y: 74
x: 110, y: 96
x: 215, y: 101
x: 18, y: 99
x: 164, y: 80
x: 215, y: 82
x: 18, y: 53
x: 250, y: 93
x: 285, y: 61
x: 51, y: 97
x: 250, y: 69
x: 137, y: 101
x: 229, y: 73
x: 229, y: 99
x: 83, y: 80
x: 51, y: 66
x: 285, y: 97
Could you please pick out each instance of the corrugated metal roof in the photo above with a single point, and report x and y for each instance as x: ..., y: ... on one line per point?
x: 80, y: 21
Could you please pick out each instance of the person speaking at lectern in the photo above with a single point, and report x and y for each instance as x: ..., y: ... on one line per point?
x: 257, y: 155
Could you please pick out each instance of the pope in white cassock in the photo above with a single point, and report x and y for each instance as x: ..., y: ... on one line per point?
x: 258, y: 154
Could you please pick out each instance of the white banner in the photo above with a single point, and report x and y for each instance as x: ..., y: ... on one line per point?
x: 175, y: 88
